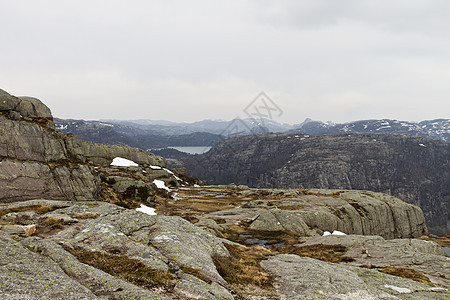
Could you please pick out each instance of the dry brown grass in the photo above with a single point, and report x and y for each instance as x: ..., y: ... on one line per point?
x: 108, y: 194
x: 39, y: 209
x: 196, y: 272
x: 329, y: 253
x: 242, y: 267
x: 403, y: 272
x: 443, y: 240
x: 128, y: 269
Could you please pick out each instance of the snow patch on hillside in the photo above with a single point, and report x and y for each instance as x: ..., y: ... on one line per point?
x: 123, y: 162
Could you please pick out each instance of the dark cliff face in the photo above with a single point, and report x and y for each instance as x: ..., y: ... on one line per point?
x: 414, y: 169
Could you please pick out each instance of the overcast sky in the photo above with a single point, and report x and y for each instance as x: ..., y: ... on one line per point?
x: 193, y: 60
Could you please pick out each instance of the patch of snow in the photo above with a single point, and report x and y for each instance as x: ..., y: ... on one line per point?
x: 398, y: 289
x: 196, y: 185
x: 422, y: 145
x: 336, y: 232
x: 147, y: 210
x: 306, y: 136
x: 123, y: 162
x: 61, y: 127
x: 168, y: 171
x: 105, y: 124
x: 155, y: 167
x: 161, y: 185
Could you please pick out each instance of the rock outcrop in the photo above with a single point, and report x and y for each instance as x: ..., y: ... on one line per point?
x: 422, y: 256
x: 161, y: 243
x: 36, y: 161
x: 414, y: 169
x: 311, y: 212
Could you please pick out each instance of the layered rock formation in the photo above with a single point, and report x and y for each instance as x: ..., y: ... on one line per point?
x: 36, y: 161
x: 414, y: 169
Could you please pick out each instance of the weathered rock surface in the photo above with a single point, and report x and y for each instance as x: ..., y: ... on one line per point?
x: 425, y: 257
x: 311, y: 212
x: 27, y: 275
x: 33, y: 108
x: 414, y: 169
x: 172, y: 244
x: 21, y: 180
x: 98, y: 282
x: 160, y: 242
x: 307, y: 278
x: 7, y: 102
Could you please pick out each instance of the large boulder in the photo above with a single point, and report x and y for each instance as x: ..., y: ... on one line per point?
x: 33, y: 108
x: 7, y: 102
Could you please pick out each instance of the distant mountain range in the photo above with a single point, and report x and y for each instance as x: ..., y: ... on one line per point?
x: 149, y: 134
x: 435, y: 129
x: 139, y: 136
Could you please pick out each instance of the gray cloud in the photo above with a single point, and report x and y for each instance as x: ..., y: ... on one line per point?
x: 179, y: 60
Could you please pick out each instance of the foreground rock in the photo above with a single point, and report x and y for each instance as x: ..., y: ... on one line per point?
x: 426, y: 257
x: 165, y: 244
x: 27, y: 275
x: 307, y: 278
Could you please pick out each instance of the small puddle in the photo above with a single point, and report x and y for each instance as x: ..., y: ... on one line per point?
x: 205, y: 192
x: 252, y: 241
x: 447, y: 250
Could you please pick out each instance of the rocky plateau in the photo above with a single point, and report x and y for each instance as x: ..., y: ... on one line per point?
x: 75, y: 224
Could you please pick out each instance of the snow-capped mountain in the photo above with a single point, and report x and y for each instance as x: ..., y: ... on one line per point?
x: 435, y: 129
